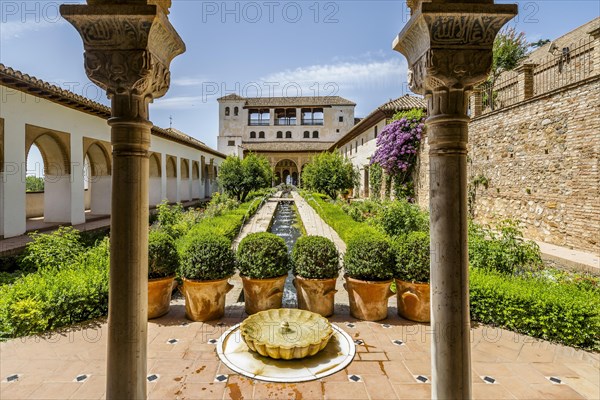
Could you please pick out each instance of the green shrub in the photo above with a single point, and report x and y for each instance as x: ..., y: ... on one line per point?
x: 362, y: 211
x: 206, y: 256
x: 536, y: 307
x: 413, y: 257
x: 315, y: 257
x: 52, y: 250
x: 335, y: 217
x: 401, y: 217
x: 169, y: 218
x: 219, y: 204
x: 51, y: 298
x: 370, y: 258
x: 262, y: 255
x: 504, y: 250
x: 163, y: 259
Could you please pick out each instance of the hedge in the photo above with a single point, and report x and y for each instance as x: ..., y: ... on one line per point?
x: 335, y: 217
x: 536, y: 307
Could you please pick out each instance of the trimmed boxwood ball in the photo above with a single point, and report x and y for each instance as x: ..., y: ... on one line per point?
x: 206, y: 256
x: 163, y: 259
x: 413, y: 257
x: 315, y: 257
x: 370, y: 258
x: 262, y: 255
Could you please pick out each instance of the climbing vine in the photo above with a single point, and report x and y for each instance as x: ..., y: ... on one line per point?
x: 396, y: 153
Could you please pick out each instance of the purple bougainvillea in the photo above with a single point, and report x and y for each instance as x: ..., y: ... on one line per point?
x: 397, y: 145
x: 396, y: 153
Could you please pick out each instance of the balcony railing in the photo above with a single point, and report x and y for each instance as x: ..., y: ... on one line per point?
x: 285, y: 122
x: 312, y: 121
x: 258, y: 122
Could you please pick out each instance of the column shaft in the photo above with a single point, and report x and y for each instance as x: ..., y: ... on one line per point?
x: 450, y: 320
x: 128, y: 299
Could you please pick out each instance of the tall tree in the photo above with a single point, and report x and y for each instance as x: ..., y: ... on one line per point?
x: 239, y: 177
x: 510, y: 48
x: 329, y: 173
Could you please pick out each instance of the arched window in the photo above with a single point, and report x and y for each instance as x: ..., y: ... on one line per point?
x: 252, y: 135
x: 315, y: 134
x: 236, y: 111
x: 227, y: 111
x: 288, y: 135
x: 306, y: 135
x: 261, y: 135
x: 279, y: 135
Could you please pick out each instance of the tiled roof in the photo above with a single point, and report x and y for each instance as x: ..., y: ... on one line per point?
x: 299, y: 101
x: 386, y: 110
x: 17, y: 80
x: 404, y: 103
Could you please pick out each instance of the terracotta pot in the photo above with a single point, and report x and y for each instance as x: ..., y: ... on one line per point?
x: 262, y: 294
x: 413, y: 300
x: 368, y: 299
x: 316, y: 295
x: 159, y: 296
x: 205, y: 300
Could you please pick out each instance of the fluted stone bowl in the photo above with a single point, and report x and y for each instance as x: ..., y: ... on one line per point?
x: 286, y: 333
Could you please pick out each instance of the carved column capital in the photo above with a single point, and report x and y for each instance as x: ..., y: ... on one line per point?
x: 450, y: 44
x: 128, y: 48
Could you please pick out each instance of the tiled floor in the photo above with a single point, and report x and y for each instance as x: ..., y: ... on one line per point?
x: 390, y: 364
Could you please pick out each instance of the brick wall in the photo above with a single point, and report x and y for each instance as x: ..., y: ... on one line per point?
x: 541, y: 158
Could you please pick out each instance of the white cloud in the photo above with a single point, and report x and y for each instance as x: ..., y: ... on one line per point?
x: 16, y: 29
x: 179, y: 102
x: 344, y: 75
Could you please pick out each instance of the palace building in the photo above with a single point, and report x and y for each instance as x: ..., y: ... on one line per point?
x: 286, y: 130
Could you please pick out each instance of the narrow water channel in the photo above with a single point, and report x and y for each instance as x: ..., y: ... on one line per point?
x: 285, y: 226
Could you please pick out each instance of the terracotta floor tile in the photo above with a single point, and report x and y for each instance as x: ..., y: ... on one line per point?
x: 535, y: 355
x: 167, y: 387
x: 397, y: 372
x: 17, y: 390
x: 518, y: 387
x: 418, y: 367
x: 202, y: 391
x: 379, y: 387
x: 341, y: 376
x: 366, y: 368
x: 274, y: 391
x: 58, y: 391
x: 555, y: 392
x: 586, y: 371
x: 413, y: 391
x: 178, y: 367
x: 345, y: 391
x: 202, y: 371
x: 93, y: 388
x: 583, y: 387
x: 239, y: 388
x: 381, y: 356
x: 309, y: 390
x: 484, y: 391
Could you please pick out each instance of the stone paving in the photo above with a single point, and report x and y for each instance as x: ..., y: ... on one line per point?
x: 393, y: 358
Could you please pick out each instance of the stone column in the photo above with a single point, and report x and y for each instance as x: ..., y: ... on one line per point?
x: 128, y: 46
x: 449, y: 50
x: 525, y: 81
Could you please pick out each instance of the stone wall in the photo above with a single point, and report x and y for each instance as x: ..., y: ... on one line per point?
x: 541, y: 159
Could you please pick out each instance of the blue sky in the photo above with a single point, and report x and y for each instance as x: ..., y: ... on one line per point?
x: 264, y: 47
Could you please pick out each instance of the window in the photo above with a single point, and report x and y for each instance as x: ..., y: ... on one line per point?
x: 288, y: 135
x: 375, y: 132
x: 259, y: 117
x: 356, y: 146
x: 306, y: 135
x: 252, y: 135
x: 315, y: 134
x: 236, y: 111
x: 279, y: 135
x: 227, y: 111
x: 312, y: 116
x: 285, y: 116
x: 362, y: 141
x: 231, y: 143
x: 261, y: 135
x: 341, y: 119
